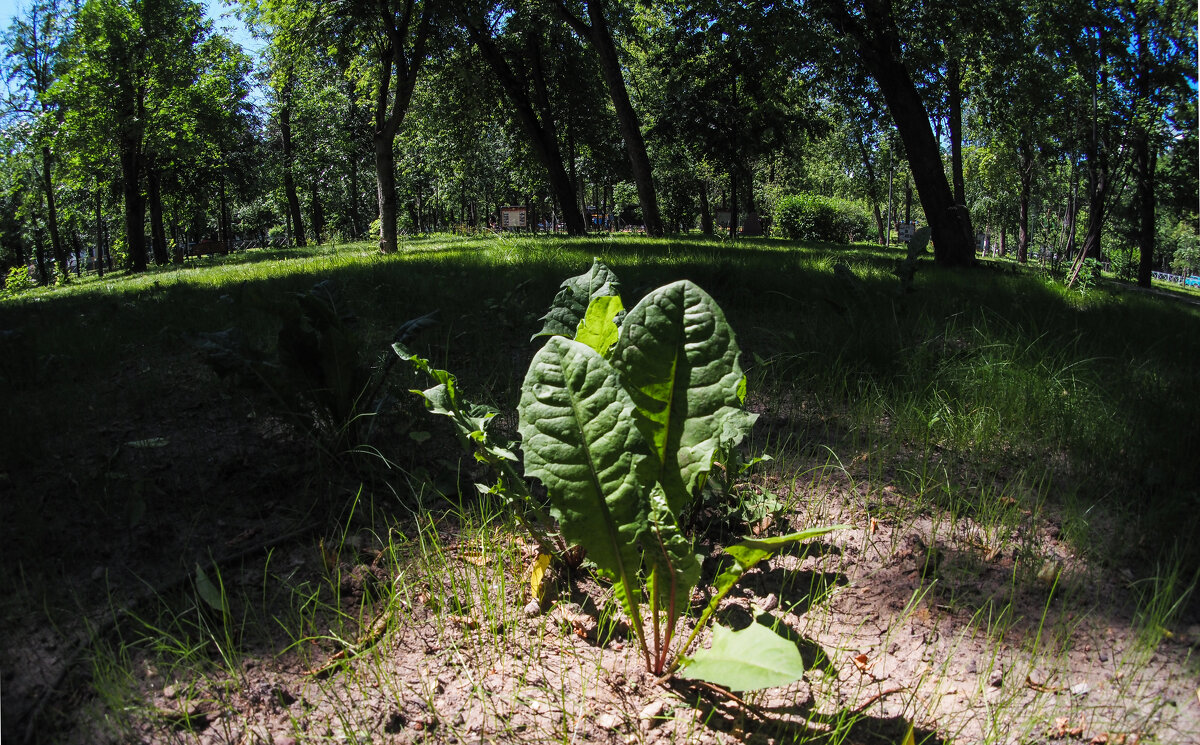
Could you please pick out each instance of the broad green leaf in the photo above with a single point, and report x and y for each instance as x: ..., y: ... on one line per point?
x: 746, y: 660
x: 571, y: 303
x: 746, y: 555
x: 748, y: 552
x: 598, y: 329
x: 209, y: 592
x: 671, y: 555
x: 678, y: 359
x: 578, y: 437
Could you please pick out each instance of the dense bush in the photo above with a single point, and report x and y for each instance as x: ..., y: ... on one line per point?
x: 1123, y: 262
x: 811, y: 217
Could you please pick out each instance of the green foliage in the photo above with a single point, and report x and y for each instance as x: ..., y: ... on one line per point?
x: 747, y: 660
x: 18, y: 279
x: 1124, y: 263
x: 812, y: 217
x: 623, y: 447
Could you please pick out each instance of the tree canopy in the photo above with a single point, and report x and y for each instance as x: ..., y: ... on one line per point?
x: 1059, y: 131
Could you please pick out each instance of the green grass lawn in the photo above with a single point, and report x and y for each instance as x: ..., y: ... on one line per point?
x: 983, y: 393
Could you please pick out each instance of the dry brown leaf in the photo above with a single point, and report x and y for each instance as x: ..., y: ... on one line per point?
x: 862, y: 662
x: 1062, y: 728
x: 466, y: 622
x: 1040, y: 687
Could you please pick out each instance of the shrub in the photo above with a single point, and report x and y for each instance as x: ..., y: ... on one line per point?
x: 1123, y: 263
x: 812, y: 217
x: 18, y: 279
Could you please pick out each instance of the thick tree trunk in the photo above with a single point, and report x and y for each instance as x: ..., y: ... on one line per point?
x: 135, y: 207
x: 878, y: 45
x: 385, y: 179
x: 289, y: 181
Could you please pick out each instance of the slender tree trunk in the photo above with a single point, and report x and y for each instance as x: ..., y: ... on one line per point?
x: 1025, y: 177
x: 539, y: 130
x: 1097, y: 170
x: 355, y: 213
x: 733, y: 203
x: 39, y: 253
x: 318, y: 215
x: 954, y: 124
x: 56, y: 244
x: 1147, y: 160
x: 1072, y: 214
x: 99, y: 235
x: 1146, y: 154
x: 872, y: 189
x: 878, y: 44
x: 77, y: 248
x: 706, y: 217
x: 289, y: 181
x: 600, y: 35
x: 158, y: 235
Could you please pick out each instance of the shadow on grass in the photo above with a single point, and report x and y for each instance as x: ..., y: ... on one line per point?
x: 987, y: 373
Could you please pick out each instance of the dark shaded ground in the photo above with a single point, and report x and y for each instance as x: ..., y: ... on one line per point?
x: 139, y: 464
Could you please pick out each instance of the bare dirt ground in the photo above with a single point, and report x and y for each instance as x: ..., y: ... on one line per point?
x: 923, y: 621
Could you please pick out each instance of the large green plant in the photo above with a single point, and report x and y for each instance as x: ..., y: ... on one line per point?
x: 622, y: 417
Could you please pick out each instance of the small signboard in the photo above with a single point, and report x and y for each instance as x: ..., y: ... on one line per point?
x: 906, y: 230
x: 723, y: 217
x: 513, y: 218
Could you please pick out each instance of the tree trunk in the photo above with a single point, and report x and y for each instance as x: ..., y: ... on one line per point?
x: 289, y: 181
x: 1146, y: 159
x: 77, y: 247
x: 878, y: 44
x: 733, y: 203
x: 318, y: 216
x: 99, y: 235
x: 627, y: 120
x: 135, y: 206
x: 158, y: 235
x: 385, y: 180
x: 872, y: 189
x: 954, y: 124
x: 39, y: 254
x: 60, y: 253
x: 1025, y: 176
x: 540, y: 131
x: 706, y: 218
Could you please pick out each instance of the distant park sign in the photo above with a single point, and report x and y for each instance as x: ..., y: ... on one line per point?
x: 513, y: 218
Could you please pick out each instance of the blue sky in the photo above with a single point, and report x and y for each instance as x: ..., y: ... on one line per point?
x: 218, y: 12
